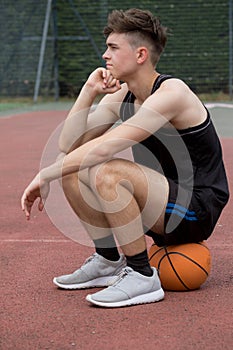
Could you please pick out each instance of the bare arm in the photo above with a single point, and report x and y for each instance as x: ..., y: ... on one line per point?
x: 174, y: 106
x: 155, y: 112
x: 81, y: 125
x: 79, y: 129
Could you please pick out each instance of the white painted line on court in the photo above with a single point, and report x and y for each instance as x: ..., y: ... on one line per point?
x: 35, y: 240
x: 224, y: 105
x: 210, y: 245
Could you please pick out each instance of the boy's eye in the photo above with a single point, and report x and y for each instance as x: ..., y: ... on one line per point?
x: 113, y: 47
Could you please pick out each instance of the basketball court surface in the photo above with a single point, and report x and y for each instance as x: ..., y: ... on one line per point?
x: 36, y: 315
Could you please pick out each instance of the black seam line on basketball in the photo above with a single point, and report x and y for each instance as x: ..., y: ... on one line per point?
x: 167, y: 254
x: 203, y: 245
x: 172, y: 266
x: 157, y: 251
x: 187, y: 257
x: 163, y: 247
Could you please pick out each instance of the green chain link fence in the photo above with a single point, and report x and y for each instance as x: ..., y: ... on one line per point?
x: 48, y: 48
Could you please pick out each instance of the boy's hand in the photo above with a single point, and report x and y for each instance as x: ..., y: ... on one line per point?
x: 36, y: 189
x: 102, y: 82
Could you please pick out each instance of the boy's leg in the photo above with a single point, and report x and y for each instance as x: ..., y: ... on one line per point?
x: 125, y: 215
x: 131, y: 196
x: 84, y: 203
x: 122, y: 196
x: 101, y: 268
x: 147, y: 202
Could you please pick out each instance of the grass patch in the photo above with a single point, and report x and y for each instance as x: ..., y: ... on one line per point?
x: 215, y: 97
x: 26, y: 103
x: 20, y: 105
x: 10, y: 106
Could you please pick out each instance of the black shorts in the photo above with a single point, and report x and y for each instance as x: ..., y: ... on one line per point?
x: 186, y: 220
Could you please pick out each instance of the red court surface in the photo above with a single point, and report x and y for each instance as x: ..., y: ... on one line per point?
x: 36, y: 315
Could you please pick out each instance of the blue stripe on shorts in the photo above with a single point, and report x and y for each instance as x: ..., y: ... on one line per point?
x: 181, y: 211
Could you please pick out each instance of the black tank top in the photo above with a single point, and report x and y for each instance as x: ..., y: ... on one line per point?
x: 191, y: 157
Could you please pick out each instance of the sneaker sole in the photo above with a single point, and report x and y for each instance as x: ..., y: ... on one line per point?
x: 97, y: 282
x: 140, y: 299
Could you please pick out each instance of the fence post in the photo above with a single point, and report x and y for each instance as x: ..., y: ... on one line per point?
x: 42, y: 50
x: 230, y: 51
x: 55, y: 51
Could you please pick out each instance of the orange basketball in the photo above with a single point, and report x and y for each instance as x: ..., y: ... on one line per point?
x: 181, y: 267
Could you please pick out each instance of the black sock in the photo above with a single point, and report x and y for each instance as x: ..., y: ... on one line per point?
x: 107, y: 248
x: 140, y: 263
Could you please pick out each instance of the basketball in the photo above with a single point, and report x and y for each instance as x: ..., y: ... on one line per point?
x: 181, y: 267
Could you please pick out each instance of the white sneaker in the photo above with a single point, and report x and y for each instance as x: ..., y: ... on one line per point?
x: 130, y: 288
x: 95, y: 272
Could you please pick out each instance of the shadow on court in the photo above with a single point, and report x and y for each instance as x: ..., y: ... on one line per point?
x: 37, y: 315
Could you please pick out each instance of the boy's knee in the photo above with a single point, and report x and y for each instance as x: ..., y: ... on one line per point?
x: 103, y: 175
x: 68, y: 182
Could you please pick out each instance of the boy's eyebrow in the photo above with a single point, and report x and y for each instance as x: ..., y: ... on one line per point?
x: 111, y: 44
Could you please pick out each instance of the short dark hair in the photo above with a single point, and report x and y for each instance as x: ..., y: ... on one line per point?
x: 141, y: 26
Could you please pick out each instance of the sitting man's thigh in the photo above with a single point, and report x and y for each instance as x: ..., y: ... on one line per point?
x: 149, y: 188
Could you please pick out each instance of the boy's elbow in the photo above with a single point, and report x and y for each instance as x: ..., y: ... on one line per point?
x: 102, y: 154
x: 62, y: 145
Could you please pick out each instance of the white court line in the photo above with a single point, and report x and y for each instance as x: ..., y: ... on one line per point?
x: 35, y: 240
x: 224, y: 105
x: 209, y: 244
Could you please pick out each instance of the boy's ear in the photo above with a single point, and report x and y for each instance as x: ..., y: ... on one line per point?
x: 142, y: 54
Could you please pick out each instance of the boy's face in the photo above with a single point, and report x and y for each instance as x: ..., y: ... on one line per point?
x: 120, y: 57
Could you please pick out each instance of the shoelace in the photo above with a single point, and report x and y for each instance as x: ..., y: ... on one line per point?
x: 89, y: 259
x: 122, y: 275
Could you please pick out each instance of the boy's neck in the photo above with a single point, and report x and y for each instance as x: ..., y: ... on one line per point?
x: 141, y: 86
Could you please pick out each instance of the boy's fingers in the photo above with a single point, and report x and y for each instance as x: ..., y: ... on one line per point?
x: 41, y: 205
